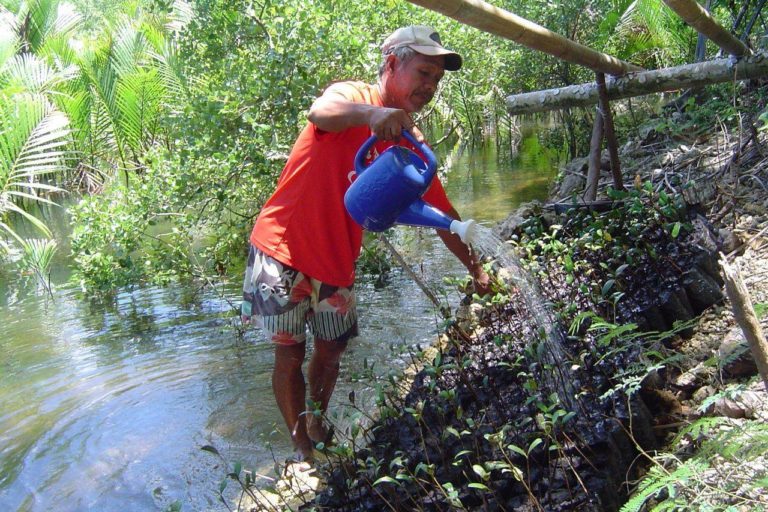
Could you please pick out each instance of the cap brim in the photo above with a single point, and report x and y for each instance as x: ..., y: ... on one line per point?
x: 452, y: 59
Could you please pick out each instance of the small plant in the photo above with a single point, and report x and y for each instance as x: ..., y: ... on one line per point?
x: 36, y: 259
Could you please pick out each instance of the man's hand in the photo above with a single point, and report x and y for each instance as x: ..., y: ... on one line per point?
x: 482, y: 282
x: 389, y: 123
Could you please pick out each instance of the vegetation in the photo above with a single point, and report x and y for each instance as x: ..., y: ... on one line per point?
x: 164, y: 121
x: 483, y: 425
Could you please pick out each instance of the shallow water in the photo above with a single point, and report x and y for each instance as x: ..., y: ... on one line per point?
x: 106, y: 406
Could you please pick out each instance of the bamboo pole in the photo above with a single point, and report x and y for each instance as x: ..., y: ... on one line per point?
x: 639, y: 84
x: 744, y: 313
x: 698, y: 18
x: 488, y: 18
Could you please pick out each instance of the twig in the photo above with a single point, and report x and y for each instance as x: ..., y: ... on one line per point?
x: 747, y: 242
x: 744, y: 313
x: 404, y: 264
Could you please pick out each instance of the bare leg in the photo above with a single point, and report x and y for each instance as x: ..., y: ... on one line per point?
x: 323, y: 371
x: 289, y: 389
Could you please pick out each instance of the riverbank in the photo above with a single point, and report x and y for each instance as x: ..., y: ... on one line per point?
x: 715, y: 404
x: 483, y: 425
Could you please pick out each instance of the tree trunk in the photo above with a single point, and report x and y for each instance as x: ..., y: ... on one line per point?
x: 641, y: 83
x: 610, y: 135
x: 484, y: 16
x: 701, y: 41
x: 698, y: 18
x: 751, y: 23
x: 745, y: 316
x: 595, y: 150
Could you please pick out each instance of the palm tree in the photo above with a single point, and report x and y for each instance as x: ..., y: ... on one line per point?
x: 648, y: 33
x: 32, y: 137
x: 33, y: 132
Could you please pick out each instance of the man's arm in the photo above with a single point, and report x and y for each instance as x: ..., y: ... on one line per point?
x: 468, y: 258
x: 331, y: 112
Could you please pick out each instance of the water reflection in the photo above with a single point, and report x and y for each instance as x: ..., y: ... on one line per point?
x: 105, y: 405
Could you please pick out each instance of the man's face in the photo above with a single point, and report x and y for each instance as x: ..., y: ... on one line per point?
x: 412, y: 84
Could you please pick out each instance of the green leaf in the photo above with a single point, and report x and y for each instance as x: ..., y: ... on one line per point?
x: 210, y: 448
x: 517, y: 449
x: 480, y: 470
x: 536, y: 442
x: 676, y: 230
x: 385, y: 480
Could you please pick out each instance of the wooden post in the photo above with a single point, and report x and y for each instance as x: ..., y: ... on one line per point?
x: 699, y: 19
x: 745, y: 316
x: 595, y: 150
x: 604, y: 109
x: 484, y: 16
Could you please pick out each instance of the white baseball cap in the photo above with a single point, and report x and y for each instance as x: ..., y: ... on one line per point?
x: 424, y: 40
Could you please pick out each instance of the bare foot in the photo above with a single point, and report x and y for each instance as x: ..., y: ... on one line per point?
x: 316, y: 429
x: 303, y: 454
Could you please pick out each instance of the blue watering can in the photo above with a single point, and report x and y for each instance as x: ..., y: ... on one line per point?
x: 389, y: 190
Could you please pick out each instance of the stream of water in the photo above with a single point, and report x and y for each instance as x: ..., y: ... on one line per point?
x: 105, y: 406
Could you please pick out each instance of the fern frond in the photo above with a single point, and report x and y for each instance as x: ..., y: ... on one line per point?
x: 699, y: 429
x: 658, y: 479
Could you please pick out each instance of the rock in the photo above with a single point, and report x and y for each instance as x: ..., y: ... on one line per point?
x: 694, y: 377
x: 704, y: 235
x: 574, y: 179
x: 735, y: 356
x: 699, y: 192
x: 729, y: 241
x: 702, y: 289
x: 703, y: 393
x: 511, y: 224
x: 727, y: 407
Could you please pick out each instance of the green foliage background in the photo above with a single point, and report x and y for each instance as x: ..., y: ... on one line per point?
x: 179, y: 114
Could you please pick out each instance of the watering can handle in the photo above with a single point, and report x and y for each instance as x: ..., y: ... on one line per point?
x: 431, y: 160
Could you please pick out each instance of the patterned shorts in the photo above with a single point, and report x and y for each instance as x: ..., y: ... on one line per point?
x: 284, y: 302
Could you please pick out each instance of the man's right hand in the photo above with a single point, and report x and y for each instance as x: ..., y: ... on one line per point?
x: 389, y: 123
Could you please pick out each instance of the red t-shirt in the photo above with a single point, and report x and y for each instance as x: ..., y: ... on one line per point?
x: 304, y: 223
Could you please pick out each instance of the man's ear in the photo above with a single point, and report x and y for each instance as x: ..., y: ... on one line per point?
x: 391, y: 63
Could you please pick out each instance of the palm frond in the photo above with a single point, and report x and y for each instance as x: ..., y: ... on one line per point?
x: 138, y: 100
x: 648, y: 26
x: 128, y: 50
x: 102, y: 126
x: 13, y: 208
x: 29, y: 73
x: 9, y: 41
x: 180, y: 16
x: 37, y: 255
x: 169, y: 66
x: 37, y: 19
x: 67, y: 20
x: 32, y: 136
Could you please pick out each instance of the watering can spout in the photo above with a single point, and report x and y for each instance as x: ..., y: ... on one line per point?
x: 422, y: 214
x: 465, y: 230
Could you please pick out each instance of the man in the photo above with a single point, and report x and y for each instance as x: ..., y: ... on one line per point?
x: 304, y: 245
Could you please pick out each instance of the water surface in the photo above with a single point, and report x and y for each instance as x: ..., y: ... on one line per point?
x: 105, y: 405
